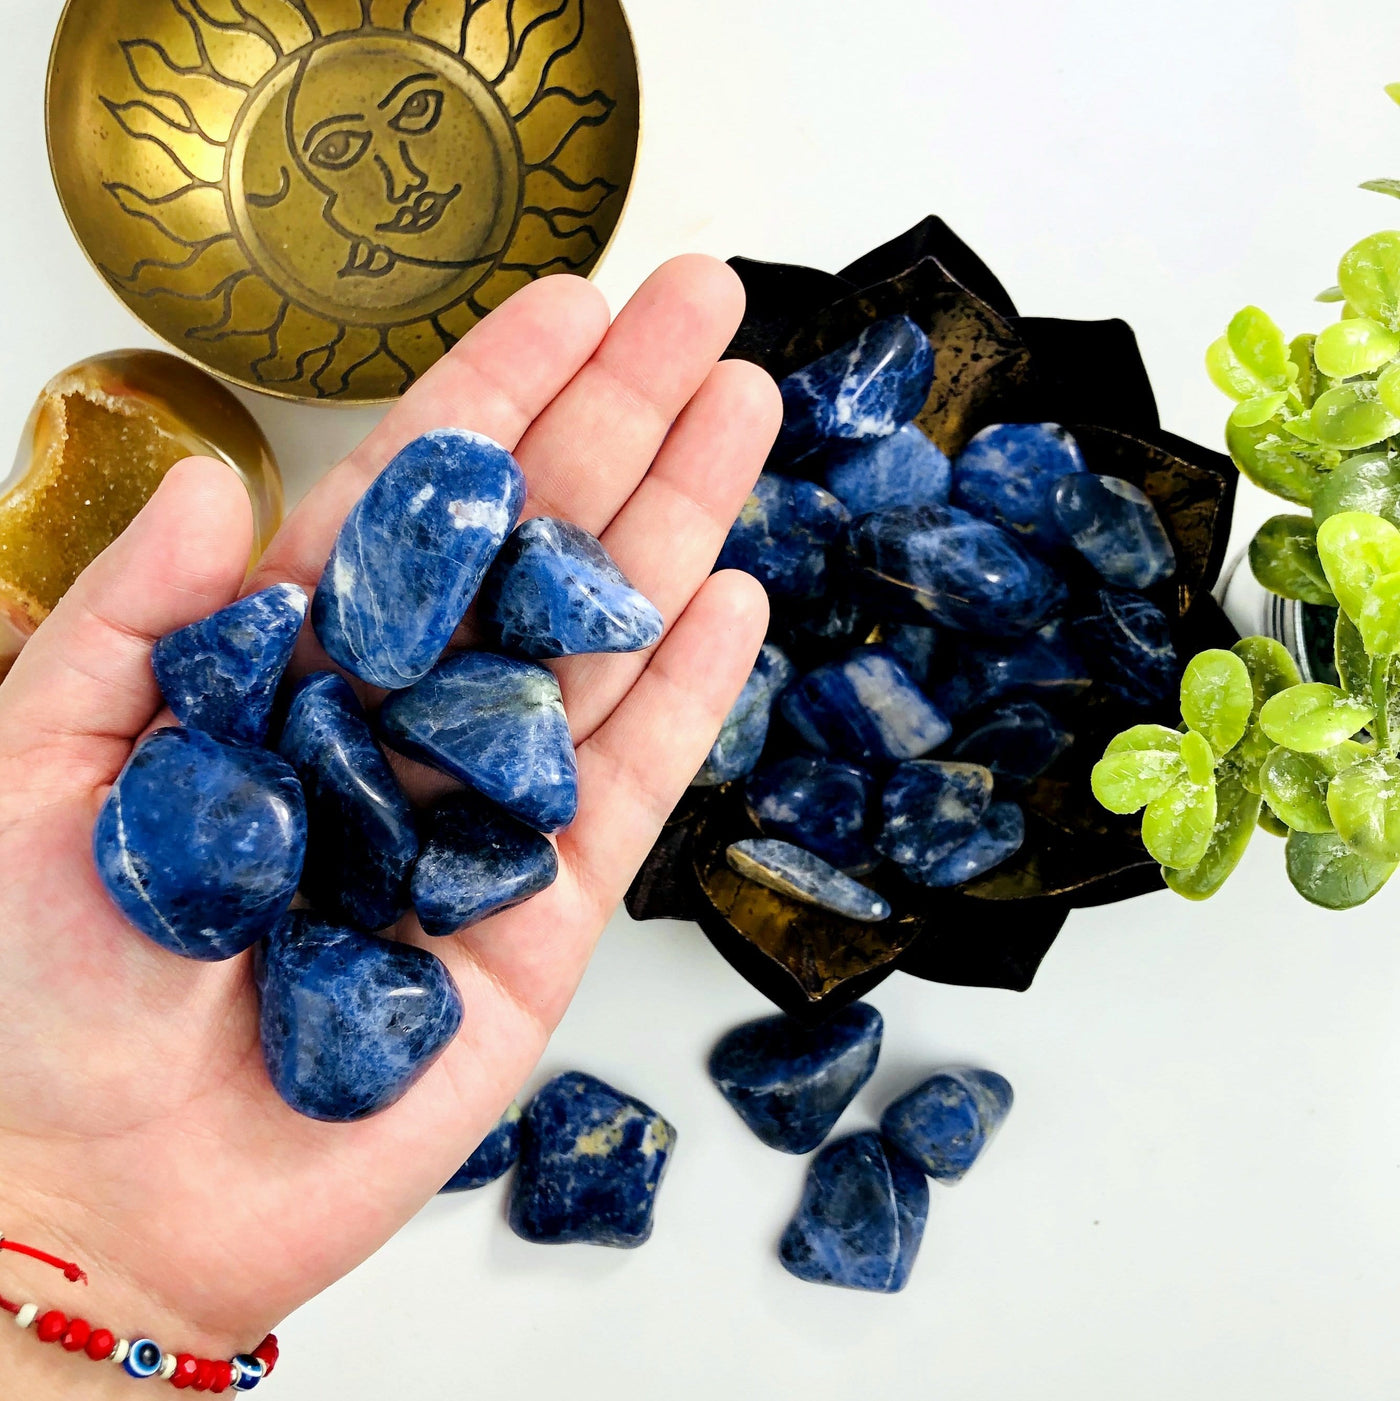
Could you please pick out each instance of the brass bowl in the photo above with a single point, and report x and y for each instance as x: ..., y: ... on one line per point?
x: 318, y: 198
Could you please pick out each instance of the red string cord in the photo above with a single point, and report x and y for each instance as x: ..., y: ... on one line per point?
x: 71, y: 1272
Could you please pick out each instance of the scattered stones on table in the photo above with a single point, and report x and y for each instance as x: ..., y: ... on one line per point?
x: 1006, y: 473
x: 820, y: 804
x: 864, y: 707
x: 200, y: 843
x: 362, y: 837
x: 1115, y: 526
x: 350, y: 1021
x: 798, y: 874
x: 591, y: 1161
x: 944, y: 1124
x: 745, y: 729
x: 931, y: 807
x: 866, y: 389
x: 496, y: 724
x: 914, y: 646
x: 498, y: 1153
x: 783, y: 536
x: 999, y: 836
x: 791, y: 1083
x: 477, y: 861
x: 412, y: 554
x: 906, y: 469
x: 554, y: 591
x: 1044, y: 665
x: 221, y: 674
x: 861, y: 1219
x: 1128, y: 643
x: 1017, y: 742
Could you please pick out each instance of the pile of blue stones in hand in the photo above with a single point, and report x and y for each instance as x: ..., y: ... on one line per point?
x: 934, y: 607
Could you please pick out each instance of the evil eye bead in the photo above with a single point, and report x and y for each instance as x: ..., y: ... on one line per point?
x: 144, y: 1359
x: 247, y: 1372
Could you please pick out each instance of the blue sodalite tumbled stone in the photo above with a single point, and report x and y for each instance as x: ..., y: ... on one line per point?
x: 201, y: 844
x: 349, y: 1021
x: 1127, y: 641
x: 905, y: 469
x: 820, y: 804
x: 945, y: 1123
x: 798, y: 874
x: 916, y: 647
x: 498, y: 1153
x: 745, y: 729
x: 783, y: 534
x: 1018, y: 742
x: 221, y: 674
x: 1115, y: 526
x: 412, y: 554
x: 1044, y: 665
x: 362, y: 839
x: 861, y: 1219
x: 865, y: 707
x: 940, y: 565
x: 790, y: 1083
x: 591, y: 1161
x: 496, y: 724
x: 867, y: 389
x: 1000, y: 835
x: 477, y: 861
x: 554, y: 591
x: 931, y: 808
x: 1005, y: 475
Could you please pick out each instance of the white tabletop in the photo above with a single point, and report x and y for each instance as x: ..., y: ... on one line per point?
x: 1198, y: 1192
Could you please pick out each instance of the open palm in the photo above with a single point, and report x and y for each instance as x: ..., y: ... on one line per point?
x: 138, y: 1130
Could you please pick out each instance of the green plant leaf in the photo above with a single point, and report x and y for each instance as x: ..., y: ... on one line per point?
x: 1368, y: 482
x: 1236, y: 816
x: 1198, y: 758
x: 1283, y: 557
x: 1312, y: 717
x: 1280, y: 463
x: 1392, y: 91
x: 1271, y: 670
x: 1137, y: 766
x: 1327, y: 872
x: 1259, y: 409
x: 1178, y: 825
x: 1388, y: 388
x: 1379, y: 623
x: 1270, y: 822
x: 1295, y: 785
x: 1363, y: 801
x: 1353, y: 665
x: 1228, y: 374
x: 1259, y: 346
x: 1331, y: 294
x: 1356, y: 346
x: 1217, y: 698
x: 1145, y: 739
x: 1351, y: 417
x: 1381, y: 187
x: 1307, y: 383
x: 1369, y: 275
x: 1357, y: 548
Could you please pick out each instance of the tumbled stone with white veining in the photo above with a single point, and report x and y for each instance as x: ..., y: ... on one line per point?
x: 745, y: 729
x: 798, y: 874
x: 999, y: 836
x: 1127, y: 641
x: 820, y: 804
x: 906, y: 469
x: 1044, y: 665
x: 1005, y: 475
x: 783, y: 534
x: 1018, y: 742
x: 944, y: 1124
x: 1115, y: 526
x: 497, y: 1154
x: 931, y: 807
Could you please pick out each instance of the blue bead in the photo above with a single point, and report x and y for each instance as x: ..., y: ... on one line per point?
x: 201, y: 844
x: 745, y: 729
x: 143, y: 1360
x: 820, y: 804
x: 554, y: 591
x: 783, y: 535
x: 248, y: 1372
x: 221, y: 675
x: 799, y: 875
x: 1128, y: 643
x: 915, y: 647
x: 591, y: 1161
x: 865, y: 707
x: 931, y: 808
x: 350, y: 1021
x: 363, y: 839
x: 940, y: 565
x: 1000, y: 836
x: 1115, y: 526
x: 861, y: 1219
x: 791, y: 1083
x: 1018, y: 742
x: 946, y: 1122
x: 869, y: 388
x: 477, y: 861
x: 497, y: 1154
x: 905, y: 469
x: 1044, y: 665
x: 1005, y: 475
x: 496, y: 724
x: 412, y: 554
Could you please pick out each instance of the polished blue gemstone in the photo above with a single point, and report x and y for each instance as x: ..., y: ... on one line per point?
x: 869, y: 388
x: 865, y: 707
x: 915, y: 647
x: 554, y: 591
x: 1005, y: 475
x: 1115, y: 526
x: 820, y: 804
x: 998, y: 838
x: 931, y: 808
x: 220, y: 675
x: 350, y: 1021
x: 412, y: 554
x: 783, y: 534
x: 362, y: 839
x: 827, y: 623
x: 946, y: 1122
x: 477, y: 861
x: 1044, y: 665
x: 201, y: 843
x: 745, y: 730
x: 798, y: 874
x: 940, y: 565
x: 1017, y: 742
x: 497, y: 725
x: 497, y: 1154
x: 1128, y: 643
x: 862, y: 1217
x: 905, y: 469
x: 790, y: 1083
x: 591, y: 1161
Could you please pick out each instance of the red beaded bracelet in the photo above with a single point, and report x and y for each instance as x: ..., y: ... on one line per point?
x: 142, y: 1358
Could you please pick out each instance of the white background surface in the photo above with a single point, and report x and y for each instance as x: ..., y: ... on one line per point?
x: 1198, y: 1192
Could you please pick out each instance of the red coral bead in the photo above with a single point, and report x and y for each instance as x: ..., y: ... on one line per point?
x: 223, y: 1377
x: 50, y: 1327
x: 204, y: 1377
x: 100, y: 1344
x: 186, y: 1369
x: 75, y: 1336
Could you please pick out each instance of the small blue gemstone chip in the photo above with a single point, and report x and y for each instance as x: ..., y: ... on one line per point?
x: 144, y: 1359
